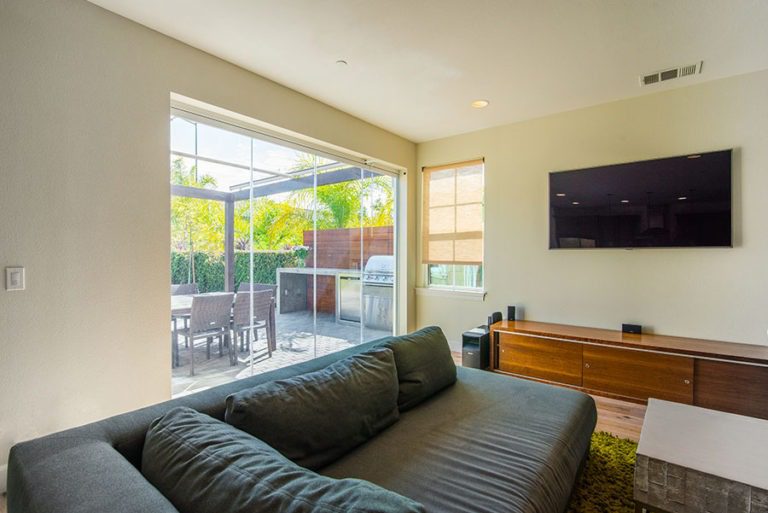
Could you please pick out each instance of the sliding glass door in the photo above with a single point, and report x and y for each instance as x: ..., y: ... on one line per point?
x: 304, y: 240
x: 377, y: 207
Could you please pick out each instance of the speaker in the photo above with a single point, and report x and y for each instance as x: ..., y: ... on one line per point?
x: 510, y: 313
x: 632, y: 328
x: 494, y: 318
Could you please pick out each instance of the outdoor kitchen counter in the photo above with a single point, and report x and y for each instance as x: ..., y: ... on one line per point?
x: 321, y: 271
x: 292, y: 285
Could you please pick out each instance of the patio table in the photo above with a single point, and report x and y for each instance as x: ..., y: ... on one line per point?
x: 181, y: 306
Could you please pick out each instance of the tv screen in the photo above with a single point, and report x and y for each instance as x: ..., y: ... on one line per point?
x: 671, y: 202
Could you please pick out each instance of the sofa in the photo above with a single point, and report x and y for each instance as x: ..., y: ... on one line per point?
x: 483, y: 443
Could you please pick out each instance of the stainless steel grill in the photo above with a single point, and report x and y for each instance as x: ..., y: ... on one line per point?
x: 378, y: 286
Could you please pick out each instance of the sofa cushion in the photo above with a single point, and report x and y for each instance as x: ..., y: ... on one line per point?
x: 424, y: 365
x: 316, y: 418
x: 203, y: 465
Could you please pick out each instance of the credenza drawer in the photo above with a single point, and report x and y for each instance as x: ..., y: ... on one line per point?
x: 541, y: 358
x: 638, y: 374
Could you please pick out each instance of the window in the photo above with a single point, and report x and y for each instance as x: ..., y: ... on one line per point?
x: 452, y: 225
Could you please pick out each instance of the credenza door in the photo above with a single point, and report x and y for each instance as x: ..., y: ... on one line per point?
x: 638, y: 374
x: 732, y: 387
x: 541, y: 358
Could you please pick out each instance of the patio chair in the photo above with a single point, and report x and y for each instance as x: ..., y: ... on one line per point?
x: 184, y: 289
x: 209, y: 318
x: 243, y: 323
x: 257, y: 287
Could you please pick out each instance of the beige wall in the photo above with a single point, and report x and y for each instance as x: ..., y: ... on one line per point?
x: 710, y: 293
x: 84, y: 203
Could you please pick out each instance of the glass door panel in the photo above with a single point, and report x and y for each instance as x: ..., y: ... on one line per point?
x: 283, y: 224
x: 337, y: 244
x: 378, y: 235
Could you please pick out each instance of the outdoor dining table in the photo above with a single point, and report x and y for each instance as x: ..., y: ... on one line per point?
x: 181, y: 306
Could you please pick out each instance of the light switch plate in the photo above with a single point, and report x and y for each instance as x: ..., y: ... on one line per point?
x: 14, y: 278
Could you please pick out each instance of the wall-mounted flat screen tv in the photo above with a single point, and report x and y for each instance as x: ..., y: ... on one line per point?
x: 663, y: 203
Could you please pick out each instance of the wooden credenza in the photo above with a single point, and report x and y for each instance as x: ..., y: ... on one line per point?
x: 718, y: 375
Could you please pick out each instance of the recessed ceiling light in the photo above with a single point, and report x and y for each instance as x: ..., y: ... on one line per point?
x: 574, y: 203
x: 694, y: 156
x: 681, y: 198
x: 342, y: 62
x: 560, y: 194
x: 480, y: 104
x: 625, y: 201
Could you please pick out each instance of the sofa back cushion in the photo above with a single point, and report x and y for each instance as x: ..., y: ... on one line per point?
x: 424, y: 365
x: 315, y: 418
x: 203, y: 465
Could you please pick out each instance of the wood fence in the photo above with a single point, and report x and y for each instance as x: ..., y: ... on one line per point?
x: 343, y: 249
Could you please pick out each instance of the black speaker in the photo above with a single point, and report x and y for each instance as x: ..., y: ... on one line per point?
x: 510, y: 313
x: 632, y: 328
x: 494, y: 318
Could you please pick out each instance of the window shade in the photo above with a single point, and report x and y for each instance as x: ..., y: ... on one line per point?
x: 452, y: 223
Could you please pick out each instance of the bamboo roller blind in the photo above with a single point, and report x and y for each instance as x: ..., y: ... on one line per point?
x: 452, y: 223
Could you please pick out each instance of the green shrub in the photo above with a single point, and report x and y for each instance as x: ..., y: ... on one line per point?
x: 209, y: 267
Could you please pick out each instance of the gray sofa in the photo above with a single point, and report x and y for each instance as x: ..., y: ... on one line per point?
x: 489, y: 443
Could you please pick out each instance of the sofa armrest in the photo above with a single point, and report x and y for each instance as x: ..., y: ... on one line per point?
x: 55, y: 474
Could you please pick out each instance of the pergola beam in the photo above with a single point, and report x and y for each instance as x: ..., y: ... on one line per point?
x: 347, y: 174
x: 196, y: 192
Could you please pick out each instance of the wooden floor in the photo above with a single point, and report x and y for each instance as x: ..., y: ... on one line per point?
x: 621, y: 418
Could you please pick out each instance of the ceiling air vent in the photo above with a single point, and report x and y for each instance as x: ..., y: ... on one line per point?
x: 650, y: 79
x: 671, y: 74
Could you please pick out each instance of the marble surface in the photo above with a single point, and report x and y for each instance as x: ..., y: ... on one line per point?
x: 733, y: 447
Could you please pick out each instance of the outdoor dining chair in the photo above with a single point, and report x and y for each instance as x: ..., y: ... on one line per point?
x: 184, y: 289
x: 209, y: 319
x: 257, y: 287
x: 243, y: 323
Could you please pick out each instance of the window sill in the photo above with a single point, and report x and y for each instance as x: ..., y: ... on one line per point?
x: 469, y: 295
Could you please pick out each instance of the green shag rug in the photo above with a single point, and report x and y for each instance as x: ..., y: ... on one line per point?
x: 606, y: 483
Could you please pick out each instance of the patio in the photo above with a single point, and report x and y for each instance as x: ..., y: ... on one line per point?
x: 294, y: 330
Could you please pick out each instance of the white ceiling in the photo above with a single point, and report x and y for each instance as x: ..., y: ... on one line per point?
x: 415, y: 65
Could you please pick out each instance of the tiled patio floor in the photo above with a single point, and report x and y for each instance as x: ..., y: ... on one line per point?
x: 295, y: 343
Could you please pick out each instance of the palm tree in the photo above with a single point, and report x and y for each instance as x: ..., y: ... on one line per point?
x: 366, y: 201
x: 195, y: 222
x: 276, y: 224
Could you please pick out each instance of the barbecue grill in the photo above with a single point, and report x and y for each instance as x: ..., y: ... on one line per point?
x: 378, y: 286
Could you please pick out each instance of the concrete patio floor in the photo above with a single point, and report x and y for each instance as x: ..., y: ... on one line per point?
x: 295, y: 343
